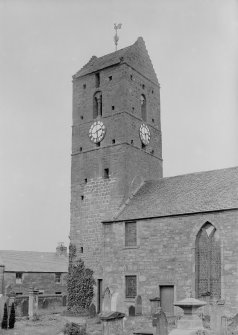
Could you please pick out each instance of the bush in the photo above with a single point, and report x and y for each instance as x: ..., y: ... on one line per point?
x: 80, y: 284
x: 74, y: 329
x: 12, y: 318
x: 5, y: 317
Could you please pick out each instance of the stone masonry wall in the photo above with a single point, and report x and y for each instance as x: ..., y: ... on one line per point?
x: 94, y: 198
x: 41, y: 281
x: 165, y: 255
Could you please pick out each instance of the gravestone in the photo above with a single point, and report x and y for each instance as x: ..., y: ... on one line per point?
x: 92, y: 311
x: 138, y: 305
x: 224, y: 325
x: 160, y: 323
x: 106, y: 304
x: 64, y: 302
x: 25, y: 307
x: 132, y: 311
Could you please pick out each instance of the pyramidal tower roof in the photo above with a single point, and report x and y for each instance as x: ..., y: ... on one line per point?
x: 135, y: 55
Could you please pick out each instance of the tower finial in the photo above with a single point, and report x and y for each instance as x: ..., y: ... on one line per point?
x: 116, y: 37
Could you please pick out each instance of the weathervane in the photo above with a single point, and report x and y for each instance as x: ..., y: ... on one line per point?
x: 116, y: 38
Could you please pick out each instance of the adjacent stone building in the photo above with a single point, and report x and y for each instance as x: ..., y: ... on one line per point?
x: 22, y: 270
x: 142, y: 234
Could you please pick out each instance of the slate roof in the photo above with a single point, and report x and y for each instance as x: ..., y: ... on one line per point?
x: 135, y: 55
x: 184, y: 194
x: 33, y: 261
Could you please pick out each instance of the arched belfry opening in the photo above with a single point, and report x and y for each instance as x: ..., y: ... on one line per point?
x: 208, y: 263
x: 97, y: 104
x: 143, y: 107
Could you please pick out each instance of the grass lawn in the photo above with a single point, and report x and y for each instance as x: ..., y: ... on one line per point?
x: 47, y: 324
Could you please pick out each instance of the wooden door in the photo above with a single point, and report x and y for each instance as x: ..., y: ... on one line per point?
x: 100, y: 298
x: 167, y: 299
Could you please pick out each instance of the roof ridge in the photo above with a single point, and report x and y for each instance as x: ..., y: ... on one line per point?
x: 192, y: 173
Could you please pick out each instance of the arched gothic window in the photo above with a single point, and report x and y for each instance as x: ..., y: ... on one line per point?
x: 97, y: 105
x: 208, y: 263
x: 143, y: 107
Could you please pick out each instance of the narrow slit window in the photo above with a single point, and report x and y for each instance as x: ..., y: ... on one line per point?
x: 97, y: 79
x: 143, y: 107
x: 97, y: 105
x: 106, y: 173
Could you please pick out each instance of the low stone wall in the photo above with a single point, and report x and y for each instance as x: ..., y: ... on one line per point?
x: 46, y: 303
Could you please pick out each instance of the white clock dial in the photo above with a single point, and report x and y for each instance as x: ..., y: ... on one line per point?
x: 97, y: 131
x: 144, y: 134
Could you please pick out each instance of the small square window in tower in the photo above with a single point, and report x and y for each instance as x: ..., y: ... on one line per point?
x: 97, y: 79
x: 131, y: 289
x: 130, y: 234
x: 106, y: 174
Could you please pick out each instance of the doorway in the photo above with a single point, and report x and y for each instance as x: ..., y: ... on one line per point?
x: 99, y: 296
x: 167, y: 299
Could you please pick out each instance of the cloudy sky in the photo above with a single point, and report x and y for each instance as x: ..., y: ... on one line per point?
x: 193, y: 46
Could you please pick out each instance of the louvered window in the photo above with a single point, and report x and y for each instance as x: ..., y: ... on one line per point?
x: 130, y: 234
x: 131, y: 291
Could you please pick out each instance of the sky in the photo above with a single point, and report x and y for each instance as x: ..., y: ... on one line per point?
x: 193, y: 46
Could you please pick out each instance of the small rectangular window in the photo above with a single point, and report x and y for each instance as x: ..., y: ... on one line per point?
x: 113, y: 108
x: 19, y: 276
x: 130, y: 234
x: 110, y: 78
x: 97, y: 79
x: 84, y: 86
x: 58, y: 292
x: 19, y: 293
x: 58, y: 277
x: 131, y: 289
x: 106, y: 174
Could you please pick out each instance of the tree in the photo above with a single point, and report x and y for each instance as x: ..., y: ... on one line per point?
x: 12, y: 318
x: 5, y: 317
x: 80, y: 283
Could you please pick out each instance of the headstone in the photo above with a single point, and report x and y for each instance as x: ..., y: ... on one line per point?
x: 113, y: 323
x: 92, y: 310
x: 138, y: 305
x: 106, y: 305
x: 64, y: 303
x: 33, y: 304
x: 160, y: 323
x: 224, y: 325
x: 25, y: 307
x: 132, y: 311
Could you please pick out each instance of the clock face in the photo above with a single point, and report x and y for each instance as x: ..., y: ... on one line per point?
x: 144, y: 134
x: 97, y: 131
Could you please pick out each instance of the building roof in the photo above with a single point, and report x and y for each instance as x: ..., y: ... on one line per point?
x: 185, y: 194
x: 135, y: 56
x: 33, y: 261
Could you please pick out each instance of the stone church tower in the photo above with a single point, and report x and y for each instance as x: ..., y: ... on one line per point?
x: 116, y: 142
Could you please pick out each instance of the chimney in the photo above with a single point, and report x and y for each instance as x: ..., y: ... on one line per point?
x: 61, y: 250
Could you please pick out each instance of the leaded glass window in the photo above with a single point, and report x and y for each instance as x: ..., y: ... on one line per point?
x: 208, y: 263
x: 130, y: 234
x: 131, y: 287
